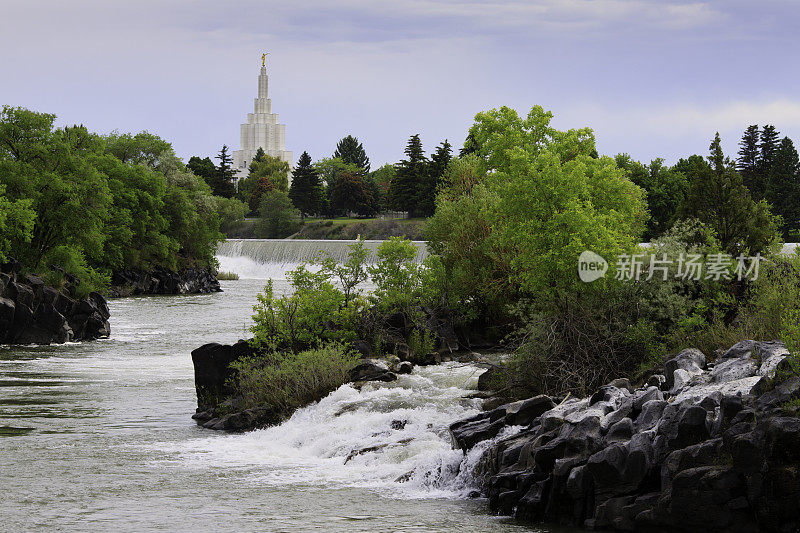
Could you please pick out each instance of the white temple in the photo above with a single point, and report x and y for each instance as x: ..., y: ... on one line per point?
x: 261, y: 131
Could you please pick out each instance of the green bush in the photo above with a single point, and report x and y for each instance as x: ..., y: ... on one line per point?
x: 284, y: 381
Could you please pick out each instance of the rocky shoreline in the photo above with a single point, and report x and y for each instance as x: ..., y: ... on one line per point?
x: 33, y: 313
x: 701, y: 447
x: 162, y: 281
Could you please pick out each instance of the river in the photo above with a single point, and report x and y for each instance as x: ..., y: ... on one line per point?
x: 97, y: 436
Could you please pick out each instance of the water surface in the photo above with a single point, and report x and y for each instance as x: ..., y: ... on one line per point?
x: 98, y: 436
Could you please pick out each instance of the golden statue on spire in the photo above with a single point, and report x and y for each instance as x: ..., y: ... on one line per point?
x: 264, y: 58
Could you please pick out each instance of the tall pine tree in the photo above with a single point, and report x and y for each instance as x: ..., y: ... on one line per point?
x: 351, y: 151
x: 767, y: 147
x: 783, y: 188
x: 717, y: 197
x: 747, y: 163
x: 306, y: 191
x: 222, y: 183
x: 410, y: 172
x: 429, y: 184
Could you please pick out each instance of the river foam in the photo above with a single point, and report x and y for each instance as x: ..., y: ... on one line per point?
x: 391, y: 437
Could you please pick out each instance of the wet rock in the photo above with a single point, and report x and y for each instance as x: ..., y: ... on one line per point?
x: 34, y: 313
x: 212, y: 370
x: 161, y: 280
x: 485, y: 379
x: 405, y: 367
x: 719, y: 453
x: 372, y: 370
x: 523, y: 412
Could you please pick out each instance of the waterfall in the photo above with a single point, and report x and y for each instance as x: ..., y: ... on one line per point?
x: 271, y: 258
x: 389, y: 437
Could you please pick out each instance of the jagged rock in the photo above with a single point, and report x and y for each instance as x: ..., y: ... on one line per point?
x: 245, y: 420
x: 523, y: 412
x: 467, y: 433
x: 33, y: 313
x: 485, y: 379
x: 718, y: 453
x: 160, y: 280
x: 372, y: 370
x: 212, y: 370
x: 690, y: 361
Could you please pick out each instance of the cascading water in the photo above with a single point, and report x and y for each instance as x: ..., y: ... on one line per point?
x: 271, y: 258
x: 391, y: 437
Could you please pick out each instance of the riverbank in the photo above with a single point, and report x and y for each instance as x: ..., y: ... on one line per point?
x: 31, y: 312
x: 705, y: 446
x: 163, y: 281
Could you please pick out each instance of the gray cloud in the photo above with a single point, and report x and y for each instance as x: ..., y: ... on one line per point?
x: 653, y: 78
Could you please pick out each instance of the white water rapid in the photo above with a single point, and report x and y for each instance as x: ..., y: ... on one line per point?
x: 389, y: 437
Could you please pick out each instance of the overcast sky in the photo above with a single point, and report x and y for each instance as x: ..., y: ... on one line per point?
x: 654, y: 79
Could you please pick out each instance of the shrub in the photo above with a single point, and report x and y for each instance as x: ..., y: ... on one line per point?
x: 284, y: 381
x: 230, y: 276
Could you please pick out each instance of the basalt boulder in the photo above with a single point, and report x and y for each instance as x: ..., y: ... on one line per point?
x: 164, y: 281
x: 710, y: 448
x: 31, y: 312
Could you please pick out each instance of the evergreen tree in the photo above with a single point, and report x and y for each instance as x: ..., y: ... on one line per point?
x: 783, y: 188
x: 306, y: 191
x: 429, y: 184
x: 717, y: 197
x: 203, y: 168
x: 767, y: 148
x: 351, y: 151
x: 470, y: 145
x: 747, y: 164
x: 410, y: 172
x: 222, y: 183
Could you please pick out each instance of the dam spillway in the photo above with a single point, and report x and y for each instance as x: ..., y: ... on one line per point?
x: 268, y: 258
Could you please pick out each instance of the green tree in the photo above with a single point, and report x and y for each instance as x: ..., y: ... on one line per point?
x: 263, y: 185
x: 192, y: 213
x: 306, y: 191
x: 519, y: 231
x: 352, y: 152
x: 222, y: 183
x: 16, y: 223
x: 748, y: 162
x: 665, y: 189
x: 50, y: 168
x: 144, y: 148
x: 278, y: 217
x: 264, y: 166
x: 768, y: 147
x: 202, y: 167
x: 382, y: 178
x: 783, y: 188
x: 351, y: 194
x: 329, y: 170
x: 403, y: 191
x: 431, y: 180
x: 717, y: 197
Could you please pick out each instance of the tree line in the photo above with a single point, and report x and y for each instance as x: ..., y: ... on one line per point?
x: 80, y: 203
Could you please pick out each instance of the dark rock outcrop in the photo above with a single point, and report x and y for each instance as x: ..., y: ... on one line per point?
x: 216, y: 401
x: 33, y: 313
x: 212, y: 370
x: 708, y: 449
x: 372, y: 370
x: 161, y: 280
